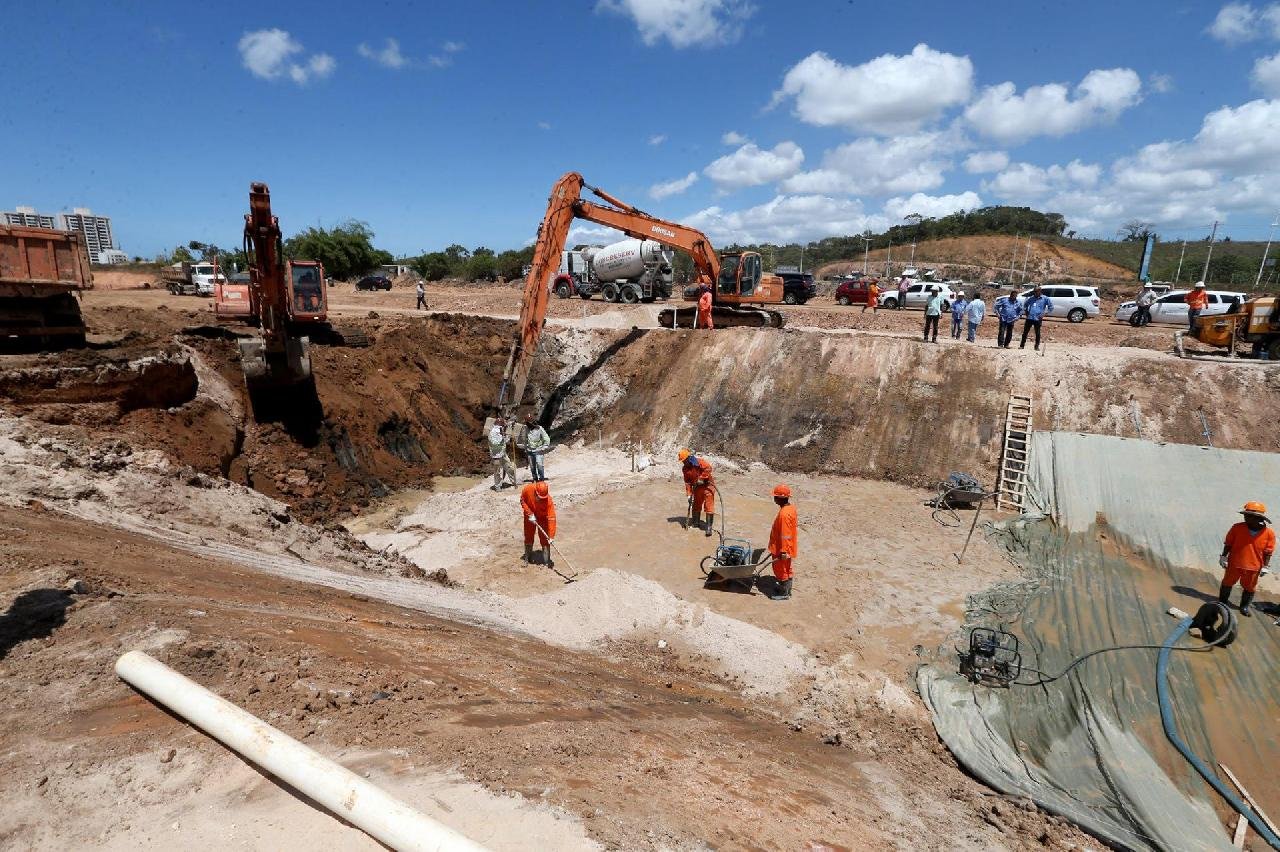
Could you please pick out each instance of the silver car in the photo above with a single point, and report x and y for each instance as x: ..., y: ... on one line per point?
x: 1172, y: 307
x: 1072, y: 303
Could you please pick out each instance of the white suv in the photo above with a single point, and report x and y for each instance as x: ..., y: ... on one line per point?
x: 918, y: 295
x: 1172, y: 308
x: 1072, y: 303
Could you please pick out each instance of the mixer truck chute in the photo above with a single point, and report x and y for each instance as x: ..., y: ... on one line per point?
x: 738, y: 284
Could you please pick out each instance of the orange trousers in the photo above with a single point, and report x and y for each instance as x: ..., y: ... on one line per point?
x: 704, y: 320
x: 530, y: 529
x: 1248, y: 580
x: 704, y: 500
x: 782, y: 568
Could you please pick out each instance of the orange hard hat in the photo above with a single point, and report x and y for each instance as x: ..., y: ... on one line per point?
x: 683, y: 454
x: 541, y: 490
x: 1253, y: 507
x: 781, y: 491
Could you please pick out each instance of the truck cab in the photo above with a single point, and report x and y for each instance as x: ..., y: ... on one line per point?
x: 205, y: 276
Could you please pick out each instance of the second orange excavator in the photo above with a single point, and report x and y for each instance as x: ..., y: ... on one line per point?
x: 739, y: 286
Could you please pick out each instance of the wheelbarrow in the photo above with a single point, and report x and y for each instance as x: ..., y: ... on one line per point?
x: 734, y: 562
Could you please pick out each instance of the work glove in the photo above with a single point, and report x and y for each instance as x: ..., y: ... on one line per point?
x: 532, y: 519
x: 1222, y: 561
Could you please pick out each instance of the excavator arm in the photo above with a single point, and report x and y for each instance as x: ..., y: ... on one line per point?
x: 565, y: 205
x: 277, y: 359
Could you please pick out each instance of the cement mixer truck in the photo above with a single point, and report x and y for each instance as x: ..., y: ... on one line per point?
x: 629, y: 271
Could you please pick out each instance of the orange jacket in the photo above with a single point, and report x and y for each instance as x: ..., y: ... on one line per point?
x: 544, y: 509
x: 873, y: 293
x: 784, y: 538
x: 1247, y: 552
x: 704, y: 303
x: 1197, y: 299
x: 692, y: 473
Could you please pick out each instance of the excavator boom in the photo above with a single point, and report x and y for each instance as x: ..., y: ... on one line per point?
x: 565, y: 205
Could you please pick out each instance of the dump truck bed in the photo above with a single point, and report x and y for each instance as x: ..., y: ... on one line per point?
x: 41, y: 270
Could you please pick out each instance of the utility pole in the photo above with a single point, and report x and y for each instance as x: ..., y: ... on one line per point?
x: 866, y: 253
x: 1025, y: 255
x: 887, y: 255
x: 1177, y: 275
x: 802, y: 248
x: 1013, y: 258
x: 1270, y: 234
x: 1204, y: 276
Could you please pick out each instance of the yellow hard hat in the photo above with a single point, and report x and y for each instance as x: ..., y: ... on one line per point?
x: 683, y: 454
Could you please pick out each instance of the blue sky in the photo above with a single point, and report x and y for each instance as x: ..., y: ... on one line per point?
x: 752, y: 120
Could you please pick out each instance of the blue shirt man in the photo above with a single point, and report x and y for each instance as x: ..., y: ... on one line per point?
x: 1007, y: 310
x: 1037, y: 306
x: 958, y: 307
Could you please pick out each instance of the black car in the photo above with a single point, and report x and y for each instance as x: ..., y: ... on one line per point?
x: 374, y: 282
x: 797, y: 287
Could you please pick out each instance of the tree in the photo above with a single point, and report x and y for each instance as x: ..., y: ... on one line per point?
x: 457, y: 256
x: 482, y: 267
x: 180, y: 254
x: 433, y: 266
x: 346, y: 250
x: 1135, y: 231
x: 511, y: 263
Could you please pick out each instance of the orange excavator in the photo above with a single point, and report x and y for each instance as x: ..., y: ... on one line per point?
x: 737, y: 280
x: 279, y: 360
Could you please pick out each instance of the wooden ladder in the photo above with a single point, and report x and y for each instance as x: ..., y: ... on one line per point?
x: 1012, y: 485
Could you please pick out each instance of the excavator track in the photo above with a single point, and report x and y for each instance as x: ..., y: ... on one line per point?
x: 722, y: 317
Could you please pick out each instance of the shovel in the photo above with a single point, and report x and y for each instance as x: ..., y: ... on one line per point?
x: 551, y: 541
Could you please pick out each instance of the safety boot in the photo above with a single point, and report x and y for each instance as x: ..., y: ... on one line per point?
x: 695, y: 520
x: 1224, y: 594
x: 782, y: 591
x: 711, y: 523
x: 546, y: 556
x: 528, y: 553
x: 1245, y: 600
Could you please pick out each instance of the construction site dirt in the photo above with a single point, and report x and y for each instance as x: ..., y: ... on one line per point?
x: 354, y: 581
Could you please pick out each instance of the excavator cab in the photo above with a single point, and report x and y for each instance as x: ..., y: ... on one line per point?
x: 307, y: 297
x: 740, y: 275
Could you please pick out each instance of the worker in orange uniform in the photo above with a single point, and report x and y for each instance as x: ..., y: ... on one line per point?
x: 873, y: 297
x: 704, y: 309
x: 539, y: 512
x: 700, y: 485
x: 1246, y: 553
x: 1197, y: 300
x: 783, y: 542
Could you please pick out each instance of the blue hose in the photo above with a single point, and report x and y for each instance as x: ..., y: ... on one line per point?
x: 1171, y: 731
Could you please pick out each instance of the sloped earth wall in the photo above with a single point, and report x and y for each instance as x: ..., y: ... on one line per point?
x: 888, y: 407
x: 1133, y: 528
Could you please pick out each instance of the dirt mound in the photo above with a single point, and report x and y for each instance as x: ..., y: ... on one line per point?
x: 892, y: 408
x: 987, y: 257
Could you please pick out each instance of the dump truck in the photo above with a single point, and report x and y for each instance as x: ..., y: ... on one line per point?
x: 1256, y: 322
x: 42, y: 272
x: 192, y: 278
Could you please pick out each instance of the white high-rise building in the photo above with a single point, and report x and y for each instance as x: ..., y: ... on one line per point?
x: 96, y: 229
x: 28, y: 217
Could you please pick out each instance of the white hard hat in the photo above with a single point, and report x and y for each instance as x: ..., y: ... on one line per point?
x: 1199, y: 285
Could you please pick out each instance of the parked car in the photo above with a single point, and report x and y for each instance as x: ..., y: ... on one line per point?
x: 797, y: 287
x: 374, y: 282
x: 1172, y: 308
x: 852, y: 291
x: 918, y: 294
x: 1073, y: 303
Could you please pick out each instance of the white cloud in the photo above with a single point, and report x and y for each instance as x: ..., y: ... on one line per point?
x: 1051, y: 110
x: 1266, y: 75
x: 752, y: 166
x: 931, y: 206
x: 888, y: 95
x: 1161, y: 84
x: 672, y: 187
x: 1027, y: 182
x: 1240, y: 22
x: 268, y: 53
x: 784, y: 219
x: 445, y: 58
x: 544, y: 125
x: 733, y: 137
x: 657, y: 138
x: 598, y: 234
x: 684, y: 23
x: 982, y: 162
x: 872, y: 166
x: 389, y: 56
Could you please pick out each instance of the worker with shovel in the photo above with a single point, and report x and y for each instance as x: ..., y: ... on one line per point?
x: 700, y: 486
x: 1246, y: 553
x: 783, y: 542
x: 539, y: 512
x: 704, y: 309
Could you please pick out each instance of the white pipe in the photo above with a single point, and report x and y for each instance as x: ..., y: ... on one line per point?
x: 341, y: 791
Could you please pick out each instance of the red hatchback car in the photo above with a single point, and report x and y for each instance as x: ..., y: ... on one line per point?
x: 854, y: 292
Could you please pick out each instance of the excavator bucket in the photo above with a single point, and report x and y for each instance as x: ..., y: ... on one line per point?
x: 265, y: 370
x: 722, y: 316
